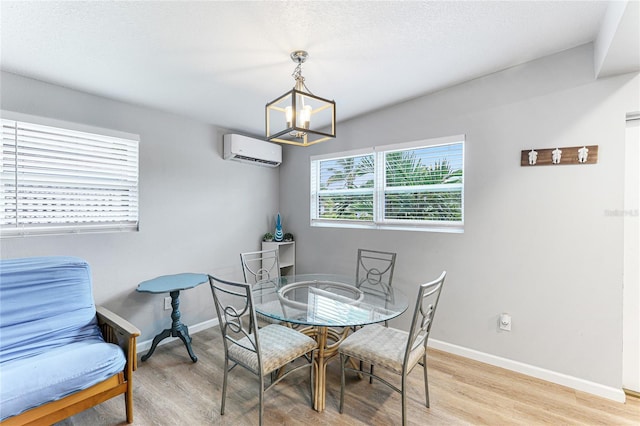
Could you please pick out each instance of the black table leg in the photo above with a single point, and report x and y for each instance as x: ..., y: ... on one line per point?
x: 178, y: 329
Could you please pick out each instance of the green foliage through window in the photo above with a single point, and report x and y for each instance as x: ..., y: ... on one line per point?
x: 419, y: 185
x: 346, y: 188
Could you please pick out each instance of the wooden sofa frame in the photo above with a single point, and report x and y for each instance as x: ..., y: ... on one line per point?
x: 115, y: 329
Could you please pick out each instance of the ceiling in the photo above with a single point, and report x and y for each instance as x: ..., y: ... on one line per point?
x: 221, y: 62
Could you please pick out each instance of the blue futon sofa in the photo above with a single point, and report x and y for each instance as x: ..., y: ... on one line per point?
x: 58, y: 356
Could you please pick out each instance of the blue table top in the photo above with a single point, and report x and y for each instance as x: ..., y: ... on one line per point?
x: 169, y: 283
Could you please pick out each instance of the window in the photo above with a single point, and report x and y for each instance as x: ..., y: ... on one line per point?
x: 58, y: 179
x: 417, y: 185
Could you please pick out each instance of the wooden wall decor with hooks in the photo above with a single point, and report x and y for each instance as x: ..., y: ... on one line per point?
x: 587, y: 154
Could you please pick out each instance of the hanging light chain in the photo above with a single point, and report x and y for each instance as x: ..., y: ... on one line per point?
x: 299, y: 78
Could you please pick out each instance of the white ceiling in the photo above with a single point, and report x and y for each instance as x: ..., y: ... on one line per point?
x: 221, y: 62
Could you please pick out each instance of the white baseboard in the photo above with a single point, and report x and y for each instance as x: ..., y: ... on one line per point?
x: 193, y: 329
x: 576, y: 383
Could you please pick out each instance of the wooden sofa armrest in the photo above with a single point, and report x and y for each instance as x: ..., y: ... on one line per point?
x: 116, y: 329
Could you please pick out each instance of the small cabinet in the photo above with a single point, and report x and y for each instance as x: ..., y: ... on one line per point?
x: 287, y: 257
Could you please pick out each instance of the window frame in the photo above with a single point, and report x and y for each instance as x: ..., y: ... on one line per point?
x: 110, y: 158
x: 380, y: 188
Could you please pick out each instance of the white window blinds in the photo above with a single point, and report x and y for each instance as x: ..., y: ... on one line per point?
x: 56, y: 180
x: 417, y: 185
x: 423, y: 184
x: 345, y: 188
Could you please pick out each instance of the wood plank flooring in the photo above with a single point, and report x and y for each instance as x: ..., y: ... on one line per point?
x: 171, y: 390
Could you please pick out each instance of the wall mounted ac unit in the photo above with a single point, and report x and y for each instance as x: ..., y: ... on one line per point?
x: 250, y: 150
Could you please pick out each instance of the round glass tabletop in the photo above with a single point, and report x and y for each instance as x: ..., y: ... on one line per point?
x: 327, y: 300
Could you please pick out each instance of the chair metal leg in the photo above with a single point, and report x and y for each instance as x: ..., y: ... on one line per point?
x: 261, y: 399
x: 224, y: 384
x: 370, y: 371
x: 343, y: 361
x: 403, y: 394
x: 426, y: 379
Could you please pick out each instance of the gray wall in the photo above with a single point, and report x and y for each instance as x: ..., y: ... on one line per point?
x: 538, y: 243
x: 197, y: 211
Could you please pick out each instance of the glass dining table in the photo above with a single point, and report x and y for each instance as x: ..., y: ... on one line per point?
x: 326, y: 307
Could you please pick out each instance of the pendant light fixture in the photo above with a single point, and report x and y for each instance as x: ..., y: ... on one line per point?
x: 299, y: 117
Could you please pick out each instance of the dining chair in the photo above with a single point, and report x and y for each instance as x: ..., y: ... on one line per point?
x: 258, y: 266
x: 375, y: 269
x: 392, y: 349
x: 261, y: 351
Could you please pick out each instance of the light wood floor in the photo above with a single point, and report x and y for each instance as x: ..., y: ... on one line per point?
x: 171, y: 390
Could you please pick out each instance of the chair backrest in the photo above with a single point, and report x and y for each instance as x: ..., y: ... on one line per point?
x: 428, y: 297
x: 375, y: 269
x: 233, y: 301
x: 260, y: 265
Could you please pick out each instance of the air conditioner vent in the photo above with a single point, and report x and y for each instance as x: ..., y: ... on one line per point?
x: 257, y: 160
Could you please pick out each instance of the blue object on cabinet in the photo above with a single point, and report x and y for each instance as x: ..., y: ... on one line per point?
x: 279, y: 235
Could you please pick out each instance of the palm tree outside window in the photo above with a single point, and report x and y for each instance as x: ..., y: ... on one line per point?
x: 418, y: 185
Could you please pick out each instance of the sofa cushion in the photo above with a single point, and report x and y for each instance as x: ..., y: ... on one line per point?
x: 46, y: 302
x: 58, y: 372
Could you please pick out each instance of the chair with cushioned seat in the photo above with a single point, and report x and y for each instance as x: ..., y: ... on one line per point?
x: 374, y: 270
x: 261, y: 351
x: 258, y: 266
x: 395, y: 350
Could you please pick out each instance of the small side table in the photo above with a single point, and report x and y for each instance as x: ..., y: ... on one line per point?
x: 173, y: 284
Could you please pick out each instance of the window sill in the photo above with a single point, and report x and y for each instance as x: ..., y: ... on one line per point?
x: 448, y: 229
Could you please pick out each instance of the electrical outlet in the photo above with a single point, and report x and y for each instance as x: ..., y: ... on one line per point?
x: 504, y: 322
x: 167, y: 303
